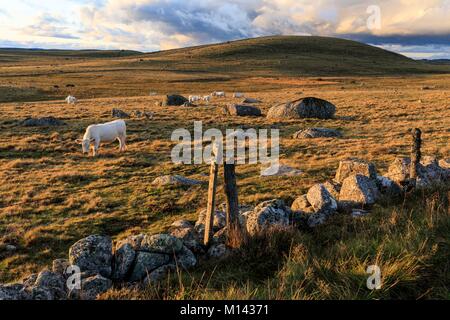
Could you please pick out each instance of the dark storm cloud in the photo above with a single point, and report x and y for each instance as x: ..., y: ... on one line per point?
x: 407, y: 40
x: 203, y: 21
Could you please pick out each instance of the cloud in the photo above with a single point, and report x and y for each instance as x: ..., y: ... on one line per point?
x: 47, y: 25
x: 151, y: 25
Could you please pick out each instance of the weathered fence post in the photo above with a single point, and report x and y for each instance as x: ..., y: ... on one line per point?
x: 231, y: 192
x: 415, y: 154
x: 209, y: 219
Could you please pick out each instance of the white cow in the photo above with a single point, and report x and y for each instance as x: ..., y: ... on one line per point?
x: 104, y: 132
x: 194, y: 99
x: 220, y: 94
x: 71, y: 99
x: 206, y: 98
x: 238, y: 95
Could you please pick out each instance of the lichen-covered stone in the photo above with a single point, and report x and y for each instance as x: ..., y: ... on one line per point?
x: 320, y: 199
x: 92, y: 287
x: 185, y: 258
x: 159, y: 274
x: 268, y: 214
x: 93, y: 254
x: 123, y: 261
x: 355, y: 166
x: 309, y: 107
x: 146, y: 262
x: 161, y: 243
x: 358, y: 191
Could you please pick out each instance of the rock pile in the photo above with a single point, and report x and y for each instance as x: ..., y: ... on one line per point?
x: 357, y: 186
x: 147, y: 259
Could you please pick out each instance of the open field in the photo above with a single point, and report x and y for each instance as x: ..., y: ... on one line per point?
x: 51, y: 195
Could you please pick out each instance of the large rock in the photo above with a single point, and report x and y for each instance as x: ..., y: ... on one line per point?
x: 358, y: 191
x: 55, y: 283
x: 316, y: 133
x: 42, y: 122
x: 123, y: 261
x: 159, y: 274
x: 333, y: 188
x: 175, y: 100
x: 268, y: 214
x: 60, y: 266
x: 185, y: 258
x: 117, y: 113
x: 303, y: 108
x: 13, y: 292
x: 432, y: 172
x: 429, y: 172
x: 302, y: 204
x: 320, y: 199
x: 161, y: 243
x: 93, y: 254
x: 175, y: 180
x: 146, y: 262
x: 93, y: 286
x: 354, y: 166
x: 185, y: 232
x: 243, y: 110
x: 135, y: 241
x: 41, y: 293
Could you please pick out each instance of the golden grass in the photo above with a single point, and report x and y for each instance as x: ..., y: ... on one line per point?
x: 51, y: 195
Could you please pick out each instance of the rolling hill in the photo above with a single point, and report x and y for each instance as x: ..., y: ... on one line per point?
x: 30, y: 75
x: 296, y: 55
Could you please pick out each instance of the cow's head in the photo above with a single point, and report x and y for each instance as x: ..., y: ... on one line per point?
x: 85, y: 144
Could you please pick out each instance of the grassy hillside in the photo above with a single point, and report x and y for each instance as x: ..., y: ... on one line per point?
x: 30, y: 75
x: 18, y: 54
x: 297, y: 55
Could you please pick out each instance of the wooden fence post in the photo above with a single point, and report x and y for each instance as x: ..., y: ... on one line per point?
x: 415, y: 155
x: 232, y: 202
x: 209, y: 220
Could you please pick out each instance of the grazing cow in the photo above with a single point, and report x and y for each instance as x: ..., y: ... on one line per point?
x: 238, y: 95
x: 104, y: 132
x: 71, y: 99
x: 206, y: 98
x: 220, y: 94
x: 193, y: 99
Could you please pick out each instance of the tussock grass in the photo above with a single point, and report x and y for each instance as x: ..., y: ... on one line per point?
x: 51, y: 195
x: 409, y: 241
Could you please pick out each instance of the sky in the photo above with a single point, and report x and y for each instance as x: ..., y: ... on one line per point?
x: 416, y: 28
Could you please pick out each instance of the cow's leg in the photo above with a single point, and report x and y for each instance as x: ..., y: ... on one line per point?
x: 96, y: 147
x: 123, y: 145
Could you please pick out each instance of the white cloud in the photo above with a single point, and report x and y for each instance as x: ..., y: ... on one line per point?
x: 160, y: 24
